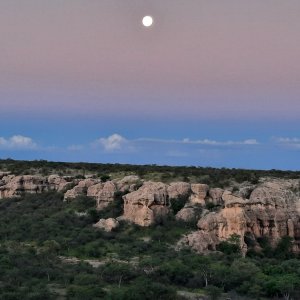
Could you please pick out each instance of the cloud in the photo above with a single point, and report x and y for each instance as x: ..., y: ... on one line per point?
x: 288, y: 142
x: 172, y: 147
x: 221, y: 143
x: 207, y: 142
x: 17, y: 142
x: 112, y: 143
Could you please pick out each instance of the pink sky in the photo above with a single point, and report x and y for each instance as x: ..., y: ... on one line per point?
x: 212, y: 59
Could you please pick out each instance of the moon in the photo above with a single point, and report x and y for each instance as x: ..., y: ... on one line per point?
x: 147, y: 21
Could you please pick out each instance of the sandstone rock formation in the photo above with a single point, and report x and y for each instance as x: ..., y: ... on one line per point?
x: 200, y: 241
x: 128, y: 183
x: 58, y: 183
x: 270, y: 208
x: 215, y: 196
x: 189, y: 214
x: 273, y: 210
x: 80, y: 189
x: 104, y: 193
x: 199, y: 193
x: 178, y: 189
x: 148, y: 204
x: 13, y: 186
x: 107, y: 225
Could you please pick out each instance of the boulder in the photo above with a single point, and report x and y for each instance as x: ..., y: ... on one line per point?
x: 148, y: 205
x: 58, y: 183
x: 2, y: 174
x: 200, y: 241
x: 199, y: 193
x: 107, y: 225
x: 178, y: 190
x: 80, y: 189
x: 104, y: 193
x: 215, y: 196
x: 189, y: 214
x: 129, y: 183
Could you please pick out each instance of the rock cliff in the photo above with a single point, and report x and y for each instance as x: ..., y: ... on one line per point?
x: 270, y: 208
x: 148, y: 204
x: 14, y: 186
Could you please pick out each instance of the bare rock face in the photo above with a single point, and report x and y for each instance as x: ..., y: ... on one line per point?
x: 80, y: 189
x: 107, y: 225
x: 215, y: 196
x: 199, y: 241
x: 199, y: 193
x: 104, y: 193
x: 5, y: 179
x: 129, y: 183
x: 3, y: 174
x: 245, y: 191
x: 147, y: 205
x: 178, y: 189
x: 14, y: 186
x: 189, y: 214
x: 229, y: 199
x: 58, y: 183
x: 273, y: 210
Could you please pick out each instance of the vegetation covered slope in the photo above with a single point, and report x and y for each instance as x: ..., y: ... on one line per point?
x: 212, y: 176
x: 50, y: 250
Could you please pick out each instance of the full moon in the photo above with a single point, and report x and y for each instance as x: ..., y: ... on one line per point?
x: 147, y: 21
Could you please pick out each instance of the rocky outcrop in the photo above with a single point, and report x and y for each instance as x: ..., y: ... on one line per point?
x: 14, y: 186
x: 2, y: 174
x: 269, y: 209
x: 189, y: 214
x: 148, y: 205
x: 178, y: 190
x: 107, y: 225
x: 215, y: 196
x: 273, y: 210
x: 80, y: 189
x: 104, y: 193
x: 199, y: 193
x: 58, y: 183
x: 128, y: 184
x: 199, y: 241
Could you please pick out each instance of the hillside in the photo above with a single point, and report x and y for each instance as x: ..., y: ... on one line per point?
x: 87, y: 231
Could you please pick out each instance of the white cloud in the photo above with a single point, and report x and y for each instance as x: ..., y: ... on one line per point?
x: 225, y: 143
x: 288, y: 142
x: 117, y: 143
x: 112, y: 143
x: 200, y: 142
x: 17, y: 142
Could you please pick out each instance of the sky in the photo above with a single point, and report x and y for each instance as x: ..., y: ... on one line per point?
x: 211, y: 83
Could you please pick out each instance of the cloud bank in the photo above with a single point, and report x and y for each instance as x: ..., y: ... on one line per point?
x: 112, y: 143
x: 17, y: 142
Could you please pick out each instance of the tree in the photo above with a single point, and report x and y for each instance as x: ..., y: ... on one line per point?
x: 284, y: 247
x: 231, y: 246
x: 287, y: 284
x: 213, y: 292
